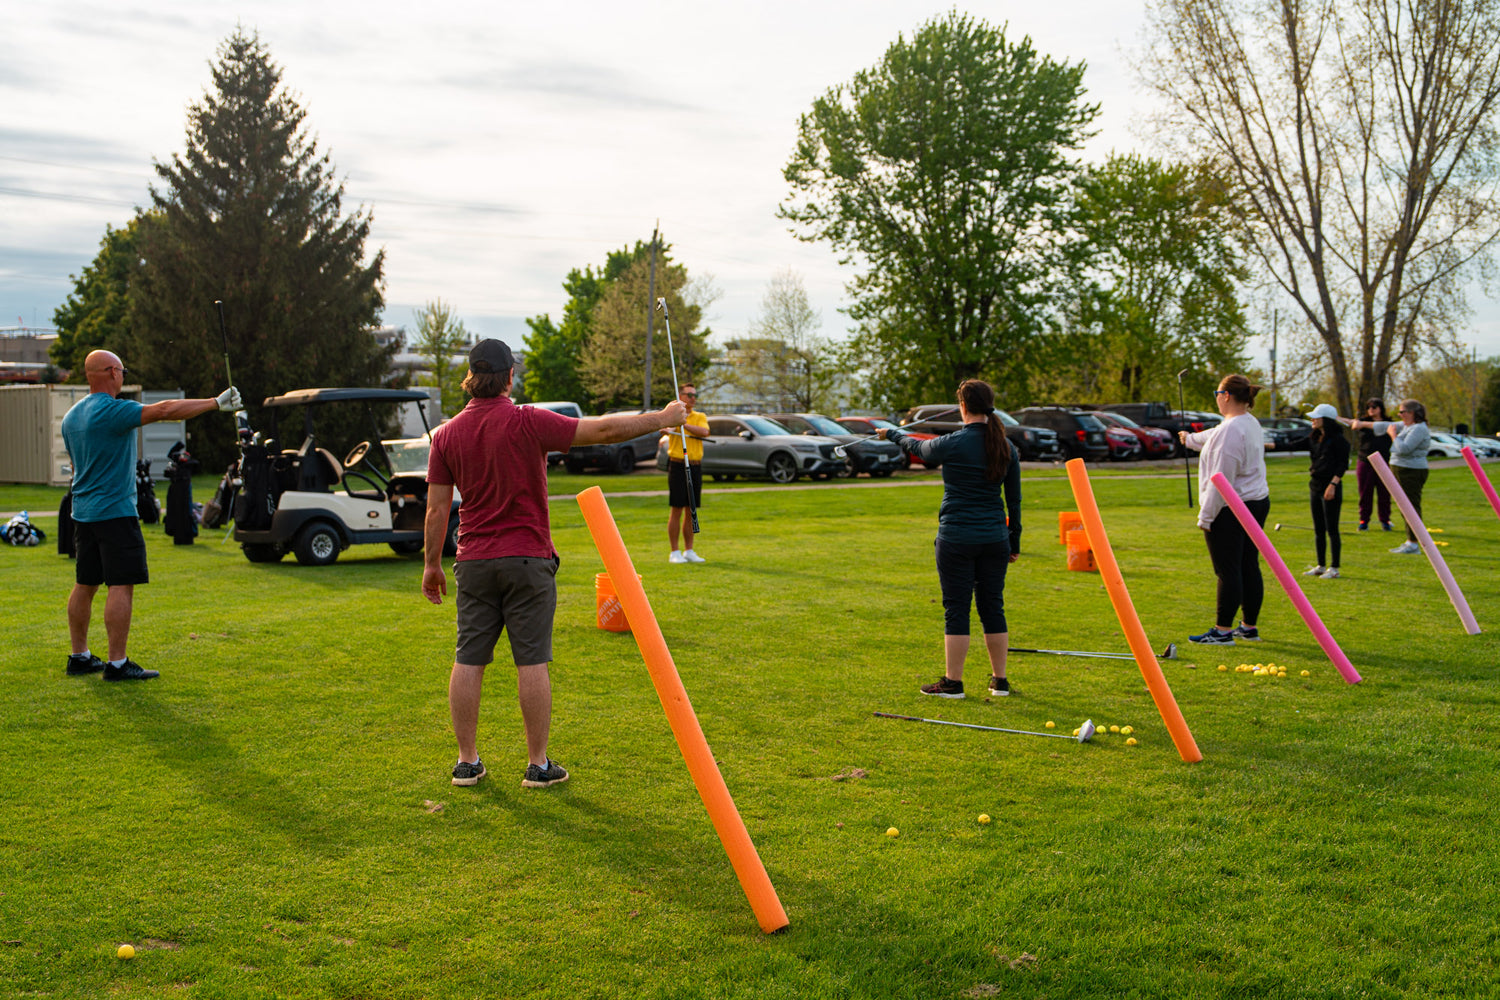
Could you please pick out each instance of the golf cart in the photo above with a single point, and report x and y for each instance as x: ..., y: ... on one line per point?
x: 304, y: 500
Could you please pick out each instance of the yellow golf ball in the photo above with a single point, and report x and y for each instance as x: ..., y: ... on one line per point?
x: 1114, y: 729
x: 1127, y: 730
x: 893, y: 832
x: 1306, y: 673
x: 125, y: 951
x: 1222, y: 668
x: 1130, y: 742
x: 984, y: 819
x: 1051, y: 724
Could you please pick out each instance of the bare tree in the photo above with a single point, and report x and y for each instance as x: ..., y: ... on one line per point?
x: 784, y: 358
x: 1360, y: 137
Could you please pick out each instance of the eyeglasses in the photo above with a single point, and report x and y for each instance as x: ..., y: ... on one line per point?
x: 117, y: 368
x: 690, y: 395
x: 1221, y: 392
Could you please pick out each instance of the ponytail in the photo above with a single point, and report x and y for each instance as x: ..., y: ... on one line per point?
x: 978, y: 397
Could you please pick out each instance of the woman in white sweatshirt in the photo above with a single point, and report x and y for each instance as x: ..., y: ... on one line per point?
x: 1237, y: 449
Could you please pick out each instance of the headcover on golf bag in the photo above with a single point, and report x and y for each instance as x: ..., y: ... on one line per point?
x: 20, y: 531
x: 257, y: 499
x: 146, y: 506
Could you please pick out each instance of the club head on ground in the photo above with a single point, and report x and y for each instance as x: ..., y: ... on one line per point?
x: 1086, y: 731
x: 1170, y: 653
x: 1277, y: 527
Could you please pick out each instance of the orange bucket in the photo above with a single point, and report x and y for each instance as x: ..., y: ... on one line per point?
x: 1080, y: 554
x: 607, y: 608
x: 1066, y: 521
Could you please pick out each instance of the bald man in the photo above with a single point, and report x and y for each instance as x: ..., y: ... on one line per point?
x: 99, y: 432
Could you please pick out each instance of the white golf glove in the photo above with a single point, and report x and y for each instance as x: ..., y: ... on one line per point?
x: 229, y: 400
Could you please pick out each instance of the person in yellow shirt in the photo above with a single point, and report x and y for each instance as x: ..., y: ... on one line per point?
x: 696, y: 426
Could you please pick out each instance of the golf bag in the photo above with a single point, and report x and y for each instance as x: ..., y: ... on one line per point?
x: 180, y: 522
x: 146, y: 505
x: 257, y: 500
x: 20, y: 531
x: 65, y: 526
x: 218, y: 511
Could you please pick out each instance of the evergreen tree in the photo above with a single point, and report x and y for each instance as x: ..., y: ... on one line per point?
x: 251, y: 214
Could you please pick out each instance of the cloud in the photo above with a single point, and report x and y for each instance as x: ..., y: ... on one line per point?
x: 595, y: 85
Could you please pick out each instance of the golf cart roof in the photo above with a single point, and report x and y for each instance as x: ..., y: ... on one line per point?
x: 305, y: 397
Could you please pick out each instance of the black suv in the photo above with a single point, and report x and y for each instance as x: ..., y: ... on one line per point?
x: 1034, y: 444
x: 1081, y: 435
x: 863, y: 454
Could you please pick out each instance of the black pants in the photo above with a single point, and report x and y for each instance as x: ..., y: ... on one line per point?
x: 1325, y: 515
x: 1411, y: 482
x: 1237, y: 563
x: 972, y: 573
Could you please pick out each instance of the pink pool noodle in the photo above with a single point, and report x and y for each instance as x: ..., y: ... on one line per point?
x: 1288, y: 582
x: 1484, y: 481
x: 1419, y: 529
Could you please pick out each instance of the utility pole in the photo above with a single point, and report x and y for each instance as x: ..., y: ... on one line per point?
x: 1473, y: 390
x: 650, y: 319
x: 1275, y: 323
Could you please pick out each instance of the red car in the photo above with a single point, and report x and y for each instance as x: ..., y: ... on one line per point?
x: 1155, y: 442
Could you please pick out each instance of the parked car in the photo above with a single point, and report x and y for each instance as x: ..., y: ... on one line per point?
x: 567, y: 410
x: 1033, y: 443
x: 1123, y: 445
x: 870, y: 425
x: 1289, y: 433
x: 863, y: 453
x: 622, y: 457
x: 743, y: 444
x: 1155, y: 442
x: 1080, y: 435
x: 1445, y: 445
x: 1158, y: 414
x: 1482, y: 447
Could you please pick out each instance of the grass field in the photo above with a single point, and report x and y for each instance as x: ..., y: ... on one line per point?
x: 273, y: 818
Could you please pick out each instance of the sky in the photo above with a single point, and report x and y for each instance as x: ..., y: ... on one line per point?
x: 498, y: 145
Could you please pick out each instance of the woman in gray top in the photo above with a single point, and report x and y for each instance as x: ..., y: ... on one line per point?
x: 1410, y: 440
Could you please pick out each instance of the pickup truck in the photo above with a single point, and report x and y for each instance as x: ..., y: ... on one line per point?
x: 1163, y: 416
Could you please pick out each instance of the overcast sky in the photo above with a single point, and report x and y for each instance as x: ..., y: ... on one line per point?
x: 499, y: 145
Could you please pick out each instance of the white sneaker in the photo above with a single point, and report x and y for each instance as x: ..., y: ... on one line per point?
x: 1332, y: 573
x: 690, y: 556
x: 1406, y: 548
x: 676, y: 557
x: 1313, y: 571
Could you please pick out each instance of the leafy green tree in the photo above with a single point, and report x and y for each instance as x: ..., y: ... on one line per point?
x: 251, y: 214
x: 1488, y: 421
x: 438, y: 336
x: 1159, y: 291
x: 941, y: 173
x: 614, y: 359
x: 96, y: 313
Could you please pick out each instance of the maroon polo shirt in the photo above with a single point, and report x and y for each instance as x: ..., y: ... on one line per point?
x: 495, y: 453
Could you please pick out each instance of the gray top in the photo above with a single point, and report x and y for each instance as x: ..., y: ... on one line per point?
x: 1409, y: 450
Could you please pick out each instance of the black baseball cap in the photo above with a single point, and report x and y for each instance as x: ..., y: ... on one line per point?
x: 491, y: 357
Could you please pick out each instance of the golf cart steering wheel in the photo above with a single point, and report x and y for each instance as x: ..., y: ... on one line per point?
x: 356, y: 454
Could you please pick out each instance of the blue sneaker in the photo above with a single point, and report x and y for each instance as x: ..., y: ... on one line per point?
x: 1213, y: 637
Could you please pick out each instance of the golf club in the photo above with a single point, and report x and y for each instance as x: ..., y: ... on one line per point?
x: 1170, y: 653
x: 1292, y: 527
x: 687, y: 467
x: 1182, y: 422
x: 1085, y: 731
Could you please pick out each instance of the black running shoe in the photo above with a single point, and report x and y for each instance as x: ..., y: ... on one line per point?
x: 541, y: 777
x: 999, y: 687
x: 128, y: 671
x: 1213, y: 637
x: 468, y: 774
x: 944, y: 688
x: 79, y: 665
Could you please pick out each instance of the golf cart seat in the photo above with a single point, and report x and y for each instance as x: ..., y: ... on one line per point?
x: 317, y: 470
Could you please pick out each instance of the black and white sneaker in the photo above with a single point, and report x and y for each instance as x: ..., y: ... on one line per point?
x: 944, y: 688
x: 540, y: 777
x: 1246, y: 633
x: 1213, y: 637
x: 466, y: 774
x: 79, y: 664
x: 128, y: 671
x: 999, y: 687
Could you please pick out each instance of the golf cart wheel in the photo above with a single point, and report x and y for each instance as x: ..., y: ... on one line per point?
x: 318, y: 545
x: 450, y: 540
x: 406, y: 548
x: 625, y: 460
x: 782, y: 468
x: 258, y: 552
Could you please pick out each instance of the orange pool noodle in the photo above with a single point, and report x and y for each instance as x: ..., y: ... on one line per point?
x: 1130, y: 622
x: 699, y: 759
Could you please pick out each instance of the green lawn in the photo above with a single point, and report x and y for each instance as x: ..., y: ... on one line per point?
x: 273, y: 817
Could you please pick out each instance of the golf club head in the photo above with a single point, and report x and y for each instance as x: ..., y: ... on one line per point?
x: 1170, y: 653
x: 1086, y: 730
x: 1277, y: 527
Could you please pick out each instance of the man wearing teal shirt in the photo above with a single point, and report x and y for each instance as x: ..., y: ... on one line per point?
x: 99, y: 432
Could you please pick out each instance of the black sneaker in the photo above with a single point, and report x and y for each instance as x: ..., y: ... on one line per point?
x: 468, y: 774
x: 944, y: 688
x: 999, y: 687
x: 1213, y: 637
x: 1247, y: 633
x: 128, y: 671
x: 541, y: 777
x: 79, y: 665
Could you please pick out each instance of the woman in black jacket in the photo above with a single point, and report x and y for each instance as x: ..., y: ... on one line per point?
x: 1330, y: 460
x: 1370, y: 486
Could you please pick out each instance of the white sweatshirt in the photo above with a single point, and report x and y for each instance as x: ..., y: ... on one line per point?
x: 1236, y: 448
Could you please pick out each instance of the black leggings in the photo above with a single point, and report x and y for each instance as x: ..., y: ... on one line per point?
x: 1326, y: 520
x: 1237, y: 563
x: 972, y: 573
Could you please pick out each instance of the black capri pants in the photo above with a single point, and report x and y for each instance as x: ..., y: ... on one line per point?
x: 972, y: 573
x: 1237, y: 563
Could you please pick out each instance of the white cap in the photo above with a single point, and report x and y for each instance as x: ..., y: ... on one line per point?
x: 1323, y: 410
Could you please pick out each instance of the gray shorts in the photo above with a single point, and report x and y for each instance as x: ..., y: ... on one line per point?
x: 516, y: 594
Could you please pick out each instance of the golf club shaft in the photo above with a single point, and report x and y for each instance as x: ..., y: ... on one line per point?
x: 1167, y: 654
x: 966, y: 725
x: 1187, y: 471
x: 224, y: 332
x: 687, y: 467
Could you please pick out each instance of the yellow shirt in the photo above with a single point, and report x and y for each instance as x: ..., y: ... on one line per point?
x: 694, y: 444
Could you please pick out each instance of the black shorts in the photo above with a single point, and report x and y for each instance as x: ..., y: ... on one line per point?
x: 111, y: 552
x: 677, y: 494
